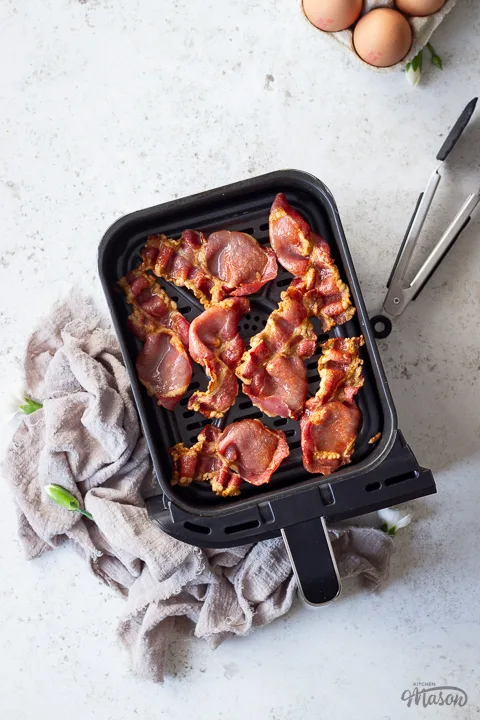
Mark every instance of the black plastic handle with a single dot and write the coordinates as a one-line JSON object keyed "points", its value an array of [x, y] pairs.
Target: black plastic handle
{"points": [[313, 561], [457, 130]]}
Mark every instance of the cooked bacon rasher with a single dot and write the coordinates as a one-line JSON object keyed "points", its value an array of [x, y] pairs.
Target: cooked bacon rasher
{"points": [[307, 256], [331, 419], [244, 450], [215, 343], [163, 365], [272, 370], [226, 264]]}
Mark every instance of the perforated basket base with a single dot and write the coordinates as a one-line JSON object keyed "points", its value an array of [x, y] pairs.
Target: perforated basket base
{"points": [[245, 207]]}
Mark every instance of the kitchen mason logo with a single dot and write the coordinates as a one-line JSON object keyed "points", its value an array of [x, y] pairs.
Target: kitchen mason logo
{"points": [[424, 694]]}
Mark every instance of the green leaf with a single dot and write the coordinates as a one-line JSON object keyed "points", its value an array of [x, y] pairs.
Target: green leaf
{"points": [[392, 531], [436, 59], [30, 406], [416, 63], [384, 528], [63, 497]]}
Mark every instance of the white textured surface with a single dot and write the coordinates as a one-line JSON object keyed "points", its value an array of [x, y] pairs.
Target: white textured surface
{"points": [[112, 105]]}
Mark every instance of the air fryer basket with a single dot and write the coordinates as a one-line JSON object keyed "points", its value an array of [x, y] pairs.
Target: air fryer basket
{"points": [[294, 501]]}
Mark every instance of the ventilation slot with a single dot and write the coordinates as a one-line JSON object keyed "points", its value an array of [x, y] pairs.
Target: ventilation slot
{"points": [[312, 365], [401, 478], [373, 486], [199, 529], [250, 525], [294, 445], [184, 310], [188, 414], [244, 405], [285, 281], [289, 433], [248, 231], [264, 227], [281, 421], [256, 321]]}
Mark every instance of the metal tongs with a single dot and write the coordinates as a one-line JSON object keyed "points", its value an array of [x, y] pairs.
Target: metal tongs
{"points": [[400, 291]]}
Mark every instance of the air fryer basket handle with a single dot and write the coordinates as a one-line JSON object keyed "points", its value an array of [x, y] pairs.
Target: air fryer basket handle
{"points": [[313, 561]]}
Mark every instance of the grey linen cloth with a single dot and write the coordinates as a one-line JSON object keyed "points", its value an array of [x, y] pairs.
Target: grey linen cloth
{"points": [[87, 439]]}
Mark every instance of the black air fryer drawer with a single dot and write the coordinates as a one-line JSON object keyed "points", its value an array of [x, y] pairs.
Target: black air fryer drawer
{"points": [[195, 514]]}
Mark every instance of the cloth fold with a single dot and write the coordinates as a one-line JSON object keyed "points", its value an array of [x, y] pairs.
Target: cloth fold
{"points": [[87, 438]]}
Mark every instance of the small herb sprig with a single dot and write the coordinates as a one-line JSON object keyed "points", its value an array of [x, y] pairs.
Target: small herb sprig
{"points": [[436, 59], [413, 70], [393, 520], [29, 406], [63, 497]]}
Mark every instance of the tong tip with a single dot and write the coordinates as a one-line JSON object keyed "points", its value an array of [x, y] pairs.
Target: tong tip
{"points": [[457, 130]]}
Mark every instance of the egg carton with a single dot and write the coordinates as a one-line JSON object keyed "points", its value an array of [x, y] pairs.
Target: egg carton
{"points": [[423, 28]]}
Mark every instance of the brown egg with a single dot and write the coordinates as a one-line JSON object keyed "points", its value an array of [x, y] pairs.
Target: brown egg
{"points": [[420, 8], [382, 37], [332, 15]]}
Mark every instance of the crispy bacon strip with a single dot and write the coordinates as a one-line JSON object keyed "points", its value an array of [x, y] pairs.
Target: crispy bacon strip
{"points": [[203, 463], [307, 256], [239, 261], [331, 419], [227, 263], [215, 343], [244, 450], [163, 365], [272, 370], [178, 262]]}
